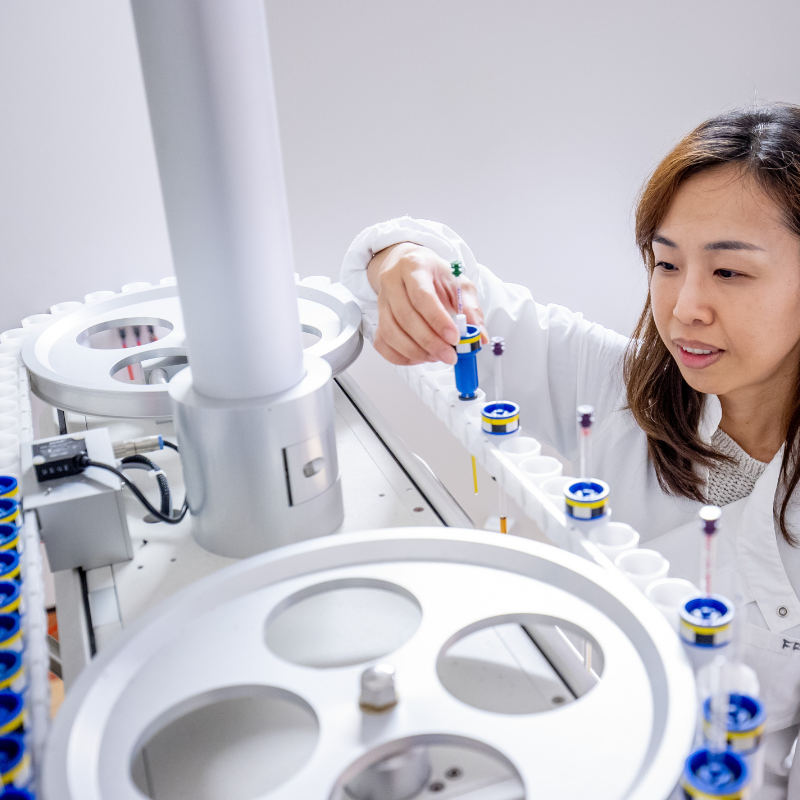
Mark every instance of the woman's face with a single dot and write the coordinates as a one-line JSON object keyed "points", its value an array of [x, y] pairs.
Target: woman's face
{"points": [[726, 286]]}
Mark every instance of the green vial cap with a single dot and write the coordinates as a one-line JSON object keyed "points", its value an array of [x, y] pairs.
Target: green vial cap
{"points": [[457, 267]]}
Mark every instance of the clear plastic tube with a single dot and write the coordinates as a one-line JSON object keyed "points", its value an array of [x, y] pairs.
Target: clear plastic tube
{"points": [[720, 701], [709, 519], [585, 421], [498, 348], [457, 268]]}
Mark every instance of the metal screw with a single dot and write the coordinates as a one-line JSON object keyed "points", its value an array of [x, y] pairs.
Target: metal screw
{"points": [[453, 773], [378, 689], [419, 508], [557, 700], [436, 786]]}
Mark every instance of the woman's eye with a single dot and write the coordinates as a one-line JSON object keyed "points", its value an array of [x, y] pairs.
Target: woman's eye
{"points": [[666, 266], [726, 273]]}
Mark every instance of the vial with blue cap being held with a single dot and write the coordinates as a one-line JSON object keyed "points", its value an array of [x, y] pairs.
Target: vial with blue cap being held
{"points": [[468, 347]]}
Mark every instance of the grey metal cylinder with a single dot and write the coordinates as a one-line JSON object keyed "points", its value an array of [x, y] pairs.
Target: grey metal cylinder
{"points": [[208, 77], [397, 777], [260, 473]]}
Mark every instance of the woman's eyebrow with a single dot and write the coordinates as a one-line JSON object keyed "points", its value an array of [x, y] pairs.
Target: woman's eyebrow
{"points": [[659, 239], [732, 245], [727, 244]]}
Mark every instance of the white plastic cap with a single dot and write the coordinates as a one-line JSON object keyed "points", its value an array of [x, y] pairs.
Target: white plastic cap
{"points": [[139, 286], [96, 297], [37, 320], [65, 308]]}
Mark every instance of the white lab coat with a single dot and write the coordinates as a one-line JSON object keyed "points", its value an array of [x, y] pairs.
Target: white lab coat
{"points": [[556, 360]]}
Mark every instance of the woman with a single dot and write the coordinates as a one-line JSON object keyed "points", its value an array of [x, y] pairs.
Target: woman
{"points": [[702, 404]]}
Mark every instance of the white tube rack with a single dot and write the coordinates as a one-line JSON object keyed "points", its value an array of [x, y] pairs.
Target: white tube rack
{"points": [[464, 423]]}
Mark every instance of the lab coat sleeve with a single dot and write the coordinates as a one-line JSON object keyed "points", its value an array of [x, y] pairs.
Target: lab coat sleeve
{"points": [[554, 360], [439, 238]]}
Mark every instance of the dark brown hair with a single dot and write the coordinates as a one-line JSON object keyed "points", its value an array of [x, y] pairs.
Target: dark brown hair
{"points": [[764, 142]]}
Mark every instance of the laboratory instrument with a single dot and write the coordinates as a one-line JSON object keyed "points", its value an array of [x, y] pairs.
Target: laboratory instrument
{"points": [[478, 647], [417, 603]]}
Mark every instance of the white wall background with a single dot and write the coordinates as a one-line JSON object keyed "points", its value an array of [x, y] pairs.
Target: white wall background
{"points": [[527, 126]]}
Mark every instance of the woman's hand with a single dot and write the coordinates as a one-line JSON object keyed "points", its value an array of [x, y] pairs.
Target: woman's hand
{"points": [[416, 296]]}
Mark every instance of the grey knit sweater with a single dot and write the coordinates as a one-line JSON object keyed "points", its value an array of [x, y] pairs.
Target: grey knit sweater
{"points": [[733, 481]]}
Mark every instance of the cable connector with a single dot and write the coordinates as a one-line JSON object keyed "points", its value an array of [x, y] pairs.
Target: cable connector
{"points": [[134, 447]]}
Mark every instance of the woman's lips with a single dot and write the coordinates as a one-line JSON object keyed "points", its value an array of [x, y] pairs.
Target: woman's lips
{"points": [[695, 360]]}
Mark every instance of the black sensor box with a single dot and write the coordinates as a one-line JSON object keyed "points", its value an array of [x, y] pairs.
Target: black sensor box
{"points": [[59, 458]]}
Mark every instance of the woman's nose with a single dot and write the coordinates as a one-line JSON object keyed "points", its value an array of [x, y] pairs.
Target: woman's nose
{"points": [[693, 303]]}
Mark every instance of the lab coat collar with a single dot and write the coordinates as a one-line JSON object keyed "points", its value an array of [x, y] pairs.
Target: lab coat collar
{"points": [[759, 556], [710, 418]]}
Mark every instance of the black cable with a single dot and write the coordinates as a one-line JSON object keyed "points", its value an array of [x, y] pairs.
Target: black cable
{"points": [[87, 462], [170, 445], [87, 610], [62, 423], [163, 485]]}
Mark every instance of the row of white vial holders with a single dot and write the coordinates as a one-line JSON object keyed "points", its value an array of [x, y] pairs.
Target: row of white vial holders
{"points": [[536, 483]]}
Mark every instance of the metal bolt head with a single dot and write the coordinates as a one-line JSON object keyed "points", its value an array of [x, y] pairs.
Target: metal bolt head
{"points": [[378, 689]]}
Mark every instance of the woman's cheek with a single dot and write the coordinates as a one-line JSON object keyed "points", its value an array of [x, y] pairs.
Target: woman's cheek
{"points": [[662, 310]]}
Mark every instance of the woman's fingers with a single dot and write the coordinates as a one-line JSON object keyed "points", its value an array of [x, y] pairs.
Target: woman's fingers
{"points": [[416, 296], [389, 353], [409, 297], [394, 334], [412, 314], [472, 309], [422, 293]]}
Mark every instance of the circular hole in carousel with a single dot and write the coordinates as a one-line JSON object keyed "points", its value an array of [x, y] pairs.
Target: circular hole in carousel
{"points": [[520, 664], [116, 334], [343, 622], [235, 743], [311, 335]]}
